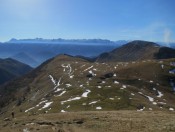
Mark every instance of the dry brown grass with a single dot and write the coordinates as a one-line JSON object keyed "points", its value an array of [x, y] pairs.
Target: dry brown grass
{"points": [[107, 121]]}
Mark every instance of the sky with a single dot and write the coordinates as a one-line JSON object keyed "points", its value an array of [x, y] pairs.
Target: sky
{"points": [[152, 20]]}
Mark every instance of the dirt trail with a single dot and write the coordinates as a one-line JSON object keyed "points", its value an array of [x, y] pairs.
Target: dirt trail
{"points": [[109, 121]]}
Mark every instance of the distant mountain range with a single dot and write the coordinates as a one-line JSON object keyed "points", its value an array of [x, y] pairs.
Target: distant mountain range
{"points": [[11, 69], [68, 41], [80, 41], [35, 51]]}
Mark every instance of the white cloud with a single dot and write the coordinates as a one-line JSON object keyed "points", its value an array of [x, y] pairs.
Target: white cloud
{"points": [[167, 36]]}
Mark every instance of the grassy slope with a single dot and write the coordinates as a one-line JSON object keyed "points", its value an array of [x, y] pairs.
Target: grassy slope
{"points": [[135, 75]]}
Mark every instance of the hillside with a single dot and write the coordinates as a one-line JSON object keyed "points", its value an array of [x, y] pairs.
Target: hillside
{"points": [[10, 69], [66, 83], [137, 50]]}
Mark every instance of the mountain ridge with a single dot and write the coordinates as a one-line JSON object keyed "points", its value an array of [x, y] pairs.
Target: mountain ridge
{"points": [[88, 41], [137, 50], [73, 41]]}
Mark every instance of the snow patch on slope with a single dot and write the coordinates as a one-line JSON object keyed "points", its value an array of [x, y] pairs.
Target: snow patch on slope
{"points": [[98, 108], [88, 68], [86, 93], [71, 99], [46, 105], [52, 79], [149, 98]]}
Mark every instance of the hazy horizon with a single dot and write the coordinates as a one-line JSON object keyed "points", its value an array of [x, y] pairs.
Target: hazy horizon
{"points": [[90, 19]]}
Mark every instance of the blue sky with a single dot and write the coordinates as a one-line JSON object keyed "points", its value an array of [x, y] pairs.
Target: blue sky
{"points": [[152, 20]]}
